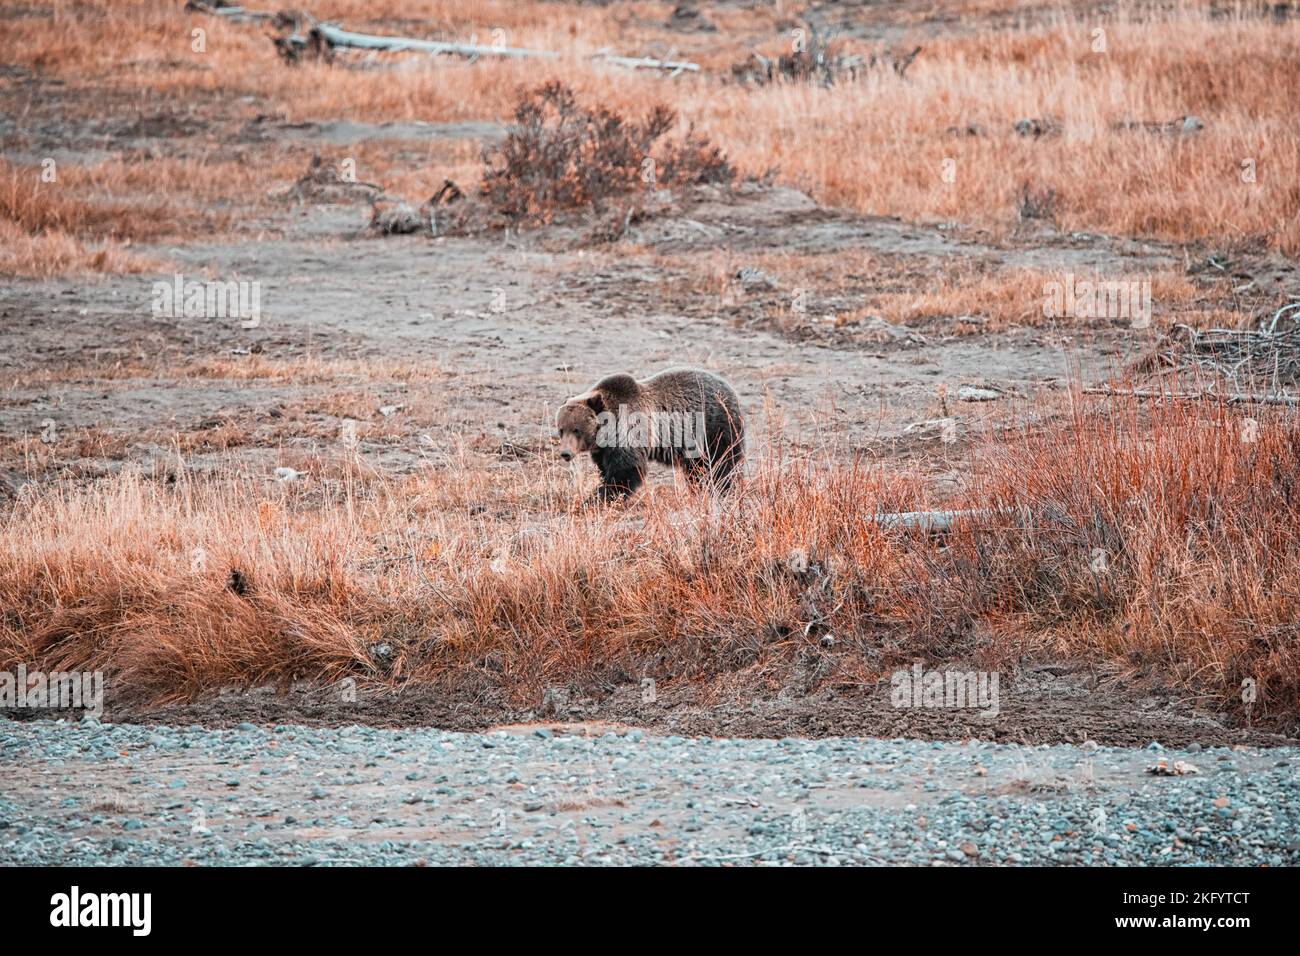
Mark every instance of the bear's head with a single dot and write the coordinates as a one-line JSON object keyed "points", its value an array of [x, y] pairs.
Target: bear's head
{"points": [[576, 424]]}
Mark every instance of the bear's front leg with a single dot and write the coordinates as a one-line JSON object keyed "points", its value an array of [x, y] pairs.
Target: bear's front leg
{"points": [[622, 471]]}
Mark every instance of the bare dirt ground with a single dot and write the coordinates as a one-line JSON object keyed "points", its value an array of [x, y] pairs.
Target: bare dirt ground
{"points": [[1042, 705], [558, 324], [507, 325]]}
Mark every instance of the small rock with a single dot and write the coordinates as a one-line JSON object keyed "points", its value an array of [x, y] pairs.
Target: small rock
{"points": [[751, 278], [1179, 768], [1037, 127]]}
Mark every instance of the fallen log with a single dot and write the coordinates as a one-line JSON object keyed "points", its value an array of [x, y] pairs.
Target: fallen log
{"points": [[648, 63], [217, 8], [1233, 398], [323, 36], [932, 521], [229, 11], [364, 41]]}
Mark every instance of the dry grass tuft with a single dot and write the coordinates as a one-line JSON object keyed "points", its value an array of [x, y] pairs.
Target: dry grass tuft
{"points": [[47, 254], [43, 232]]}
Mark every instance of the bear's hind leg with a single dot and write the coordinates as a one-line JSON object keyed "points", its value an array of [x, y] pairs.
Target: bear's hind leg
{"points": [[621, 473], [715, 474]]}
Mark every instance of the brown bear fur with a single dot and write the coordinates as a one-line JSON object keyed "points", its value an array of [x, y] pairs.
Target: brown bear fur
{"points": [[661, 418]]}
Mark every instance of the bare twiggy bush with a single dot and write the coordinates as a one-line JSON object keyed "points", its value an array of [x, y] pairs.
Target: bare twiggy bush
{"points": [[562, 155]]}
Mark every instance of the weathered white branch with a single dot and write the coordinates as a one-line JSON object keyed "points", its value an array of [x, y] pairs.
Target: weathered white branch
{"points": [[231, 12], [365, 41], [1235, 398], [648, 63], [336, 37]]}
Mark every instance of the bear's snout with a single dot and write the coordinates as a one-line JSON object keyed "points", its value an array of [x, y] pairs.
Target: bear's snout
{"points": [[566, 454]]}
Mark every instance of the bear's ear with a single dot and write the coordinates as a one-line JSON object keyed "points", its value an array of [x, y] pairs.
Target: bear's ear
{"points": [[596, 402]]}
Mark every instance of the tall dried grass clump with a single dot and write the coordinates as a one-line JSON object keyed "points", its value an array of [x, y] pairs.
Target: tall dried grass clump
{"points": [[41, 234], [1167, 537]]}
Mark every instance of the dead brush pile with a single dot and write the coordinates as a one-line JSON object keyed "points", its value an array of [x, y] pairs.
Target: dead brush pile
{"points": [[1265, 358], [1163, 541], [561, 155], [821, 59]]}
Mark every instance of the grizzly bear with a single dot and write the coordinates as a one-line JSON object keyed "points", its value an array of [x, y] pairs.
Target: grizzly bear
{"points": [[684, 417]]}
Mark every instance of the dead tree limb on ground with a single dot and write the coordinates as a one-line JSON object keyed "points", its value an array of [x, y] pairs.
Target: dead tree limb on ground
{"points": [[940, 522], [1233, 398], [364, 41], [321, 39], [927, 520], [284, 19], [346, 39]]}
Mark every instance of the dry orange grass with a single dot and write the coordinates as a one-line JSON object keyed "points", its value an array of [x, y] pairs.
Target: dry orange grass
{"points": [[1167, 539], [306, 370], [136, 200], [1016, 297], [55, 253], [45, 230], [879, 145], [1188, 513]]}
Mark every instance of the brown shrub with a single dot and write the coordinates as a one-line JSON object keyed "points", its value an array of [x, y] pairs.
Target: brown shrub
{"points": [[562, 155]]}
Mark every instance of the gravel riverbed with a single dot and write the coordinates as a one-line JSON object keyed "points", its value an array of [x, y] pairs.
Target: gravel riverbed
{"points": [[99, 794]]}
